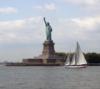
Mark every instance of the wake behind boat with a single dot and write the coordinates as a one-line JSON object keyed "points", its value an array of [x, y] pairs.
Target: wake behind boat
{"points": [[77, 60]]}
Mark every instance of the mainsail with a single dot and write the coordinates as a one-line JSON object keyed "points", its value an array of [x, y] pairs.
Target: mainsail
{"points": [[68, 60], [80, 59]]}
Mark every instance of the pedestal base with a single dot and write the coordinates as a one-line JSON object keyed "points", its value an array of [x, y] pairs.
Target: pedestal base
{"points": [[48, 48]]}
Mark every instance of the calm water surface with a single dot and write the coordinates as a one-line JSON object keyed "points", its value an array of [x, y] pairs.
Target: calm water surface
{"points": [[49, 78]]}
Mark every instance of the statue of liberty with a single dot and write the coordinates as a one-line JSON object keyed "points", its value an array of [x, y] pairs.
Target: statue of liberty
{"points": [[48, 30]]}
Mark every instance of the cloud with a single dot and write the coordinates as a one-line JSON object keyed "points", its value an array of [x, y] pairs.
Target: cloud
{"points": [[46, 7], [20, 31], [83, 2], [85, 30], [18, 24], [66, 31], [86, 4], [87, 22], [8, 10], [31, 29], [81, 25], [50, 6]]}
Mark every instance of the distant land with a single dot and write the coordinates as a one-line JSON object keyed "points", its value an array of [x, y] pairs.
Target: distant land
{"points": [[92, 58]]}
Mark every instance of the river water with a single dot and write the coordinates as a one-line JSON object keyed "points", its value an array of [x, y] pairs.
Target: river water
{"points": [[49, 78]]}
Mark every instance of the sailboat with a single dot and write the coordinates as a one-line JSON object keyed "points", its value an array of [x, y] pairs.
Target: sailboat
{"points": [[77, 60]]}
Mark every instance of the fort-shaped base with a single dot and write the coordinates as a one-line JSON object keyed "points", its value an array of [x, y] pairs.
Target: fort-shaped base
{"points": [[48, 56]]}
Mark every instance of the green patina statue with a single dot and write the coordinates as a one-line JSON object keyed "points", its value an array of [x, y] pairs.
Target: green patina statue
{"points": [[48, 30]]}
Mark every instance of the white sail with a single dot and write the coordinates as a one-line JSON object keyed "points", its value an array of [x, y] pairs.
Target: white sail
{"points": [[80, 59], [68, 60], [73, 60]]}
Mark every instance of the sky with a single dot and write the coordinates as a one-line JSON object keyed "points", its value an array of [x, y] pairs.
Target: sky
{"points": [[22, 30]]}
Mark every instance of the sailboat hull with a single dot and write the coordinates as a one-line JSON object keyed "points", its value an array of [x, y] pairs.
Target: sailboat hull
{"points": [[76, 66]]}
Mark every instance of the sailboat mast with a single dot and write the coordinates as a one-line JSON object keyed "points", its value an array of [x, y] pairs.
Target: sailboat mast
{"points": [[76, 53]]}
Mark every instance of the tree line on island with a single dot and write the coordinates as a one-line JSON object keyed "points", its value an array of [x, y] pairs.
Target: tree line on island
{"points": [[91, 58]]}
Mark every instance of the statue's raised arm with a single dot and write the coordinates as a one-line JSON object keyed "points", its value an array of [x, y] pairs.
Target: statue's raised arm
{"points": [[45, 21]]}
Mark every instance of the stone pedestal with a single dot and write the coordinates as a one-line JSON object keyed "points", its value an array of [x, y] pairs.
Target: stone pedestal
{"points": [[48, 48]]}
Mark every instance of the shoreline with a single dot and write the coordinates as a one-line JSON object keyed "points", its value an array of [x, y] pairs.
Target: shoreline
{"points": [[32, 64]]}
